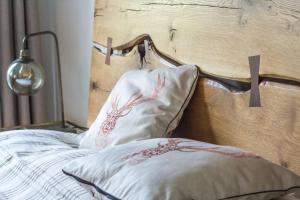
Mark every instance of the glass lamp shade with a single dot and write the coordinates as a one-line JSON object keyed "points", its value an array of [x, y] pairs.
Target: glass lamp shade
{"points": [[25, 77]]}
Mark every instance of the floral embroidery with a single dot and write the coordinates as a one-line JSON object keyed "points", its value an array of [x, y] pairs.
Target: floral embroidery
{"points": [[117, 112], [173, 145]]}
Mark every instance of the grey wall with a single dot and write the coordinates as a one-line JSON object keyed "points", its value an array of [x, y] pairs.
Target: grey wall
{"points": [[72, 21]]}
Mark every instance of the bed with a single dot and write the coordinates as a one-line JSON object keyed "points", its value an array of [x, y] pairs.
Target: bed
{"points": [[196, 32], [31, 161]]}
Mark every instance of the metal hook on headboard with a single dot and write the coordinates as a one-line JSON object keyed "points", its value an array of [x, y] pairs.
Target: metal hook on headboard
{"points": [[142, 52], [124, 49], [232, 84], [140, 41]]}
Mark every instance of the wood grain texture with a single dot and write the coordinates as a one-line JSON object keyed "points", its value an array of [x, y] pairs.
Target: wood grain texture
{"points": [[217, 35], [218, 116]]}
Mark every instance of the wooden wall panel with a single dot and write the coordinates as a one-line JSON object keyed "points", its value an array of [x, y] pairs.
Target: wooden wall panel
{"points": [[217, 35]]}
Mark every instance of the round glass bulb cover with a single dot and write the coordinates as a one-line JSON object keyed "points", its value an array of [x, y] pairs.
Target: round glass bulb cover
{"points": [[25, 77]]}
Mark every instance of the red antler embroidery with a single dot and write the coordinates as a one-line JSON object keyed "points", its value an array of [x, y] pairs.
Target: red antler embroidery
{"points": [[116, 112], [173, 145]]}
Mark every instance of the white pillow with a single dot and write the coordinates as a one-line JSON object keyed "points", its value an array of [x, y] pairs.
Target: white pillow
{"points": [[144, 104], [177, 169]]}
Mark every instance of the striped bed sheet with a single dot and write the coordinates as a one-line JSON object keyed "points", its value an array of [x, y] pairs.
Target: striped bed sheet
{"points": [[31, 163]]}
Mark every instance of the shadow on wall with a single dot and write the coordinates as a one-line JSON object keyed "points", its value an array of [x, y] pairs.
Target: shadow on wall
{"points": [[198, 110]]}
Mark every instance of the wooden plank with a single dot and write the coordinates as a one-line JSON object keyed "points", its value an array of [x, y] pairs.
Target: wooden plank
{"points": [[218, 116], [216, 35]]}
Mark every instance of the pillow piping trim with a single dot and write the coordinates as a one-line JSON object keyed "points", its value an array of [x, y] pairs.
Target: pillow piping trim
{"points": [[261, 192], [185, 102], [106, 194]]}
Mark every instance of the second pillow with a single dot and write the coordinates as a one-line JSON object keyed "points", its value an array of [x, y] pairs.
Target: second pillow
{"points": [[144, 104]]}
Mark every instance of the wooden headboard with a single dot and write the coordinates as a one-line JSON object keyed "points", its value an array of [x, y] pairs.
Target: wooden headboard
{"points": [[218, 36]]}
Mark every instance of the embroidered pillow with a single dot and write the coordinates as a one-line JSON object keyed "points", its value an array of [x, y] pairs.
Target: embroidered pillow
{"points": [[144, 104], [176, 169]]}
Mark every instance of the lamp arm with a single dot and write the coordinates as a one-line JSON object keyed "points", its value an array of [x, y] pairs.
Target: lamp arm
{"points": [[25, 46]]}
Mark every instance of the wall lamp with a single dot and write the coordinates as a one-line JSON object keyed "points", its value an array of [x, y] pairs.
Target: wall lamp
{"points": [[26, 77]]}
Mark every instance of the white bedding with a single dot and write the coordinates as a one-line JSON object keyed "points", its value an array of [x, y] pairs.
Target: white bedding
{"points": [[31, 164]]}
